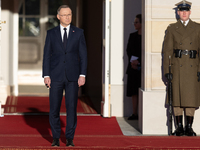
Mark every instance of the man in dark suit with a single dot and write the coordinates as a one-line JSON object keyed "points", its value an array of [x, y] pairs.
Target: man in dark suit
{"points": [[64, 68]]}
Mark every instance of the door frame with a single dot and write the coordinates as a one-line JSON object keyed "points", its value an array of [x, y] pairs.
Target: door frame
{"points": [[105, 103]]}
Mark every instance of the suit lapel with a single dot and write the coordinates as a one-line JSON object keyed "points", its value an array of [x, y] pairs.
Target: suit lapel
{"points": [[58, 35], [70, 36], [180, 28], [189, 29]]}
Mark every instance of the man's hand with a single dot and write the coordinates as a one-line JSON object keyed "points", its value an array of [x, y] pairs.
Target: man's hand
{"points": [[134, 64], [169, 76], [47, 82], [81, 81]]}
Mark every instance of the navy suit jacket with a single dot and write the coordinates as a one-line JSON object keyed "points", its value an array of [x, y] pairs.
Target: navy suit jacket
{"points": [[58, 62]]}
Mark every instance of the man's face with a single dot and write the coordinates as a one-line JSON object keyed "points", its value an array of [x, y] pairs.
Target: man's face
{"points": [[65, 16], [184, 15]]}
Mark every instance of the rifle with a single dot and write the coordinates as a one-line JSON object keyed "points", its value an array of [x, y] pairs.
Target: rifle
{"points": [[170, 99]]}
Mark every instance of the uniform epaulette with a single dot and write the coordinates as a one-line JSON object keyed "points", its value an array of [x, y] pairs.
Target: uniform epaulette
{"points": [[197, 23], [170, 25]]}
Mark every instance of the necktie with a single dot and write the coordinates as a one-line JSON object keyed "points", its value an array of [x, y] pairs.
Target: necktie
{"points": [[184, 23], [65, 38]]}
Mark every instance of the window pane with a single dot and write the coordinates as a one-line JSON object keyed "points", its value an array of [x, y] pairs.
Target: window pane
{"points": [[21, 10], [52, 22], [20, 27], [53, 6], [32, 27], [32, 7]]}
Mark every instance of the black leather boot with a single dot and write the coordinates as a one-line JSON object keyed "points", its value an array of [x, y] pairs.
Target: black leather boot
{"points": [[188, 128], [179, 129]]}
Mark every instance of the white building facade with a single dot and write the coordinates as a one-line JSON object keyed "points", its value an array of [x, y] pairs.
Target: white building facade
{"points": [[117, 25]]}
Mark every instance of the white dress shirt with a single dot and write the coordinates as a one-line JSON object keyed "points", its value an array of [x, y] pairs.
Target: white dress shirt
{"points": [[186, 22], [62, 30]]}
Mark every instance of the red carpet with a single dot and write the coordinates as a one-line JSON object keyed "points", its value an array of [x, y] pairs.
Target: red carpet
{"points": [[31, 132], [25, 104]]}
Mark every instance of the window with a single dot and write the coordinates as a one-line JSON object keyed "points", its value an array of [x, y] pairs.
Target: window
{"points": [[29, 18], [52, 12]]}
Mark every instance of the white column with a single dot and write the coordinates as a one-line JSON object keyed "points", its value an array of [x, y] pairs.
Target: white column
{"points": [[4, 60], [116, 57], [9, 55], [15, 53], [2, 87]]}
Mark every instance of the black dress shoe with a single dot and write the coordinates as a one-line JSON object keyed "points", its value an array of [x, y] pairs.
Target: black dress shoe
{"points": [[133, 117], [189, 131], [188, 128], [69, 143], [179, 131], [56, 142]]}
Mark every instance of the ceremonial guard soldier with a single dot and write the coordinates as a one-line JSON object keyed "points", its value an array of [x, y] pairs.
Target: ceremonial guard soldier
{"points": [[182, 44]]}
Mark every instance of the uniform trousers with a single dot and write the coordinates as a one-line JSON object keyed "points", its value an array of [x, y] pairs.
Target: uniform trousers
{"points": [[189, 111]]}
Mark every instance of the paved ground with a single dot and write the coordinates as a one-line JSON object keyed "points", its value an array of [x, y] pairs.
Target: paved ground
{"points": [[128, 127]]}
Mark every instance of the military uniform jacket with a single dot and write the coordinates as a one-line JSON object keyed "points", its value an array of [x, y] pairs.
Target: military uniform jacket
{"points": [[186, 88]]}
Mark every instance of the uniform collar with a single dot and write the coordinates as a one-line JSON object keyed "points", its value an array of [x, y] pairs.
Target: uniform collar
{"points": [[186, 22]]}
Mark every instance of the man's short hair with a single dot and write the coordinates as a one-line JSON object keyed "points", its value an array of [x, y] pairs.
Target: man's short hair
{"points": [[63, 6]]}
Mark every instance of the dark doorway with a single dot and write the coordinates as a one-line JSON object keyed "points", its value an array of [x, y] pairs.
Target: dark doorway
{"points": [[92, 25]]}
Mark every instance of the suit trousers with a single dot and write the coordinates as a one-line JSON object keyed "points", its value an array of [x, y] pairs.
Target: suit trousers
{"points": [[55, 100], [178, 111]]}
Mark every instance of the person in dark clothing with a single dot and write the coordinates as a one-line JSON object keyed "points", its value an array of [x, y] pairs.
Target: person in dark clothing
{"points": [[64, 68], [134, 65]]}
